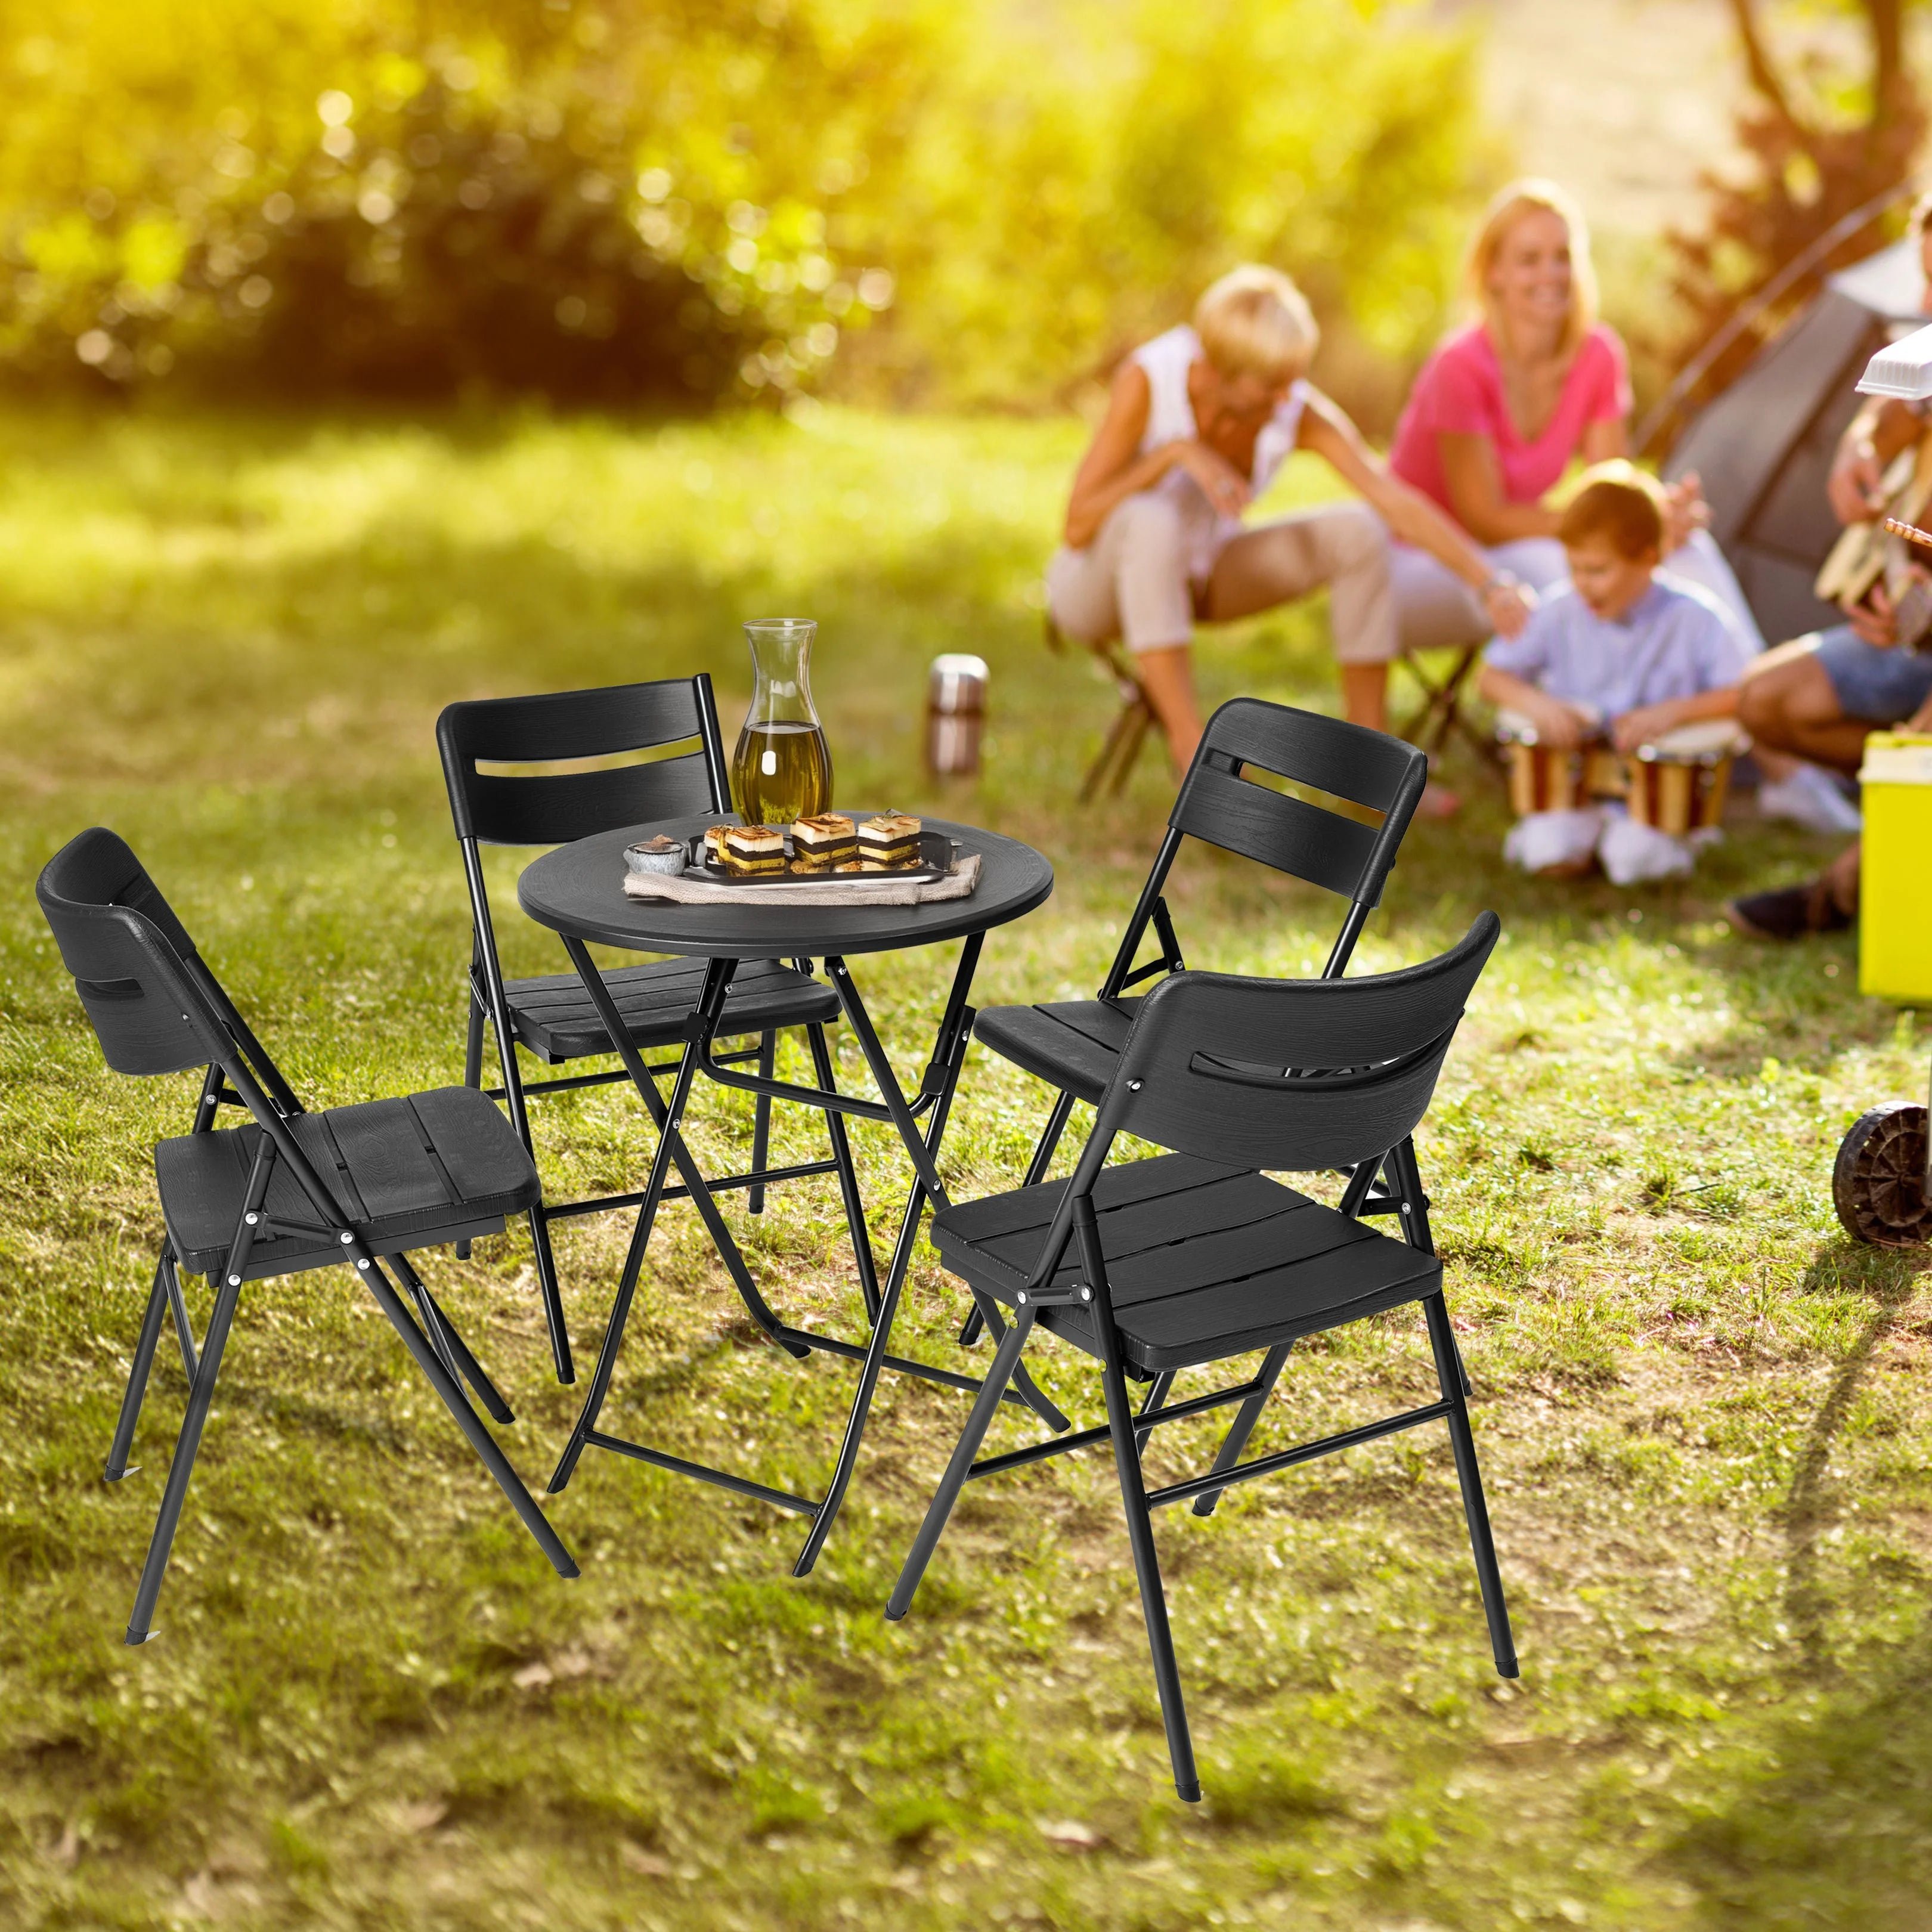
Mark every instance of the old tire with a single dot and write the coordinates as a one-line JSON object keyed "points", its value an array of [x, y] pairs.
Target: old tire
{"points": [[1878, 1183]]}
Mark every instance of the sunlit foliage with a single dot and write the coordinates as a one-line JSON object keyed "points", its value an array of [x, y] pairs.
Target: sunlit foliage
{"points": [[622, 201]]}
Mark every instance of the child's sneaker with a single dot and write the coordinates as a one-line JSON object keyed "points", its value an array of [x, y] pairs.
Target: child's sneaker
{"points": [[1811, 797]]}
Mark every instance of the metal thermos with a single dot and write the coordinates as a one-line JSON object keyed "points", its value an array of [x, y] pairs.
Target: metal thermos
{"points": [[955, 713]]}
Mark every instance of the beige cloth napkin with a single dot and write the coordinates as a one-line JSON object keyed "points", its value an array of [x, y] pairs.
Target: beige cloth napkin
{"points": [[876, 889]]}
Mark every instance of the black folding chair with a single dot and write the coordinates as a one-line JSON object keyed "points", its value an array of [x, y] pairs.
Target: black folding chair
{"points": [[355, 1186], [1195, 1256], [553, 1018], [1075, 1044]]}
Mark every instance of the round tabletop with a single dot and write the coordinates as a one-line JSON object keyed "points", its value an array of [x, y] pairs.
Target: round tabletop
{"points": [[578, 890]]}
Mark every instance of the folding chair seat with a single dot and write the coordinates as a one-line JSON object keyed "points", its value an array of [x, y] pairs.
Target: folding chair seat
{"points": [[1195, 1256], [1204, 1262], [361, 1186], [1075, 1045], [539, 771], [420, 1172], [555, 1021]]}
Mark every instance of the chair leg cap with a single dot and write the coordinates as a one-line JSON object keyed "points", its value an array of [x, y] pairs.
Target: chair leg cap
{"points": [[146, 1637], [121, 1475], [1188, 1794], [1509, 1669]]}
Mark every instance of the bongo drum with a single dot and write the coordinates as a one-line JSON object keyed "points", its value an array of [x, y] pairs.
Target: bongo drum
{"points": [[1554, 778], [1677, 785]]}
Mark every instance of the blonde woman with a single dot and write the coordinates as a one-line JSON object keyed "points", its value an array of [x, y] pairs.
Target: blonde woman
{"points": [[1496, 417], [1504, 406], [1200, 420]]}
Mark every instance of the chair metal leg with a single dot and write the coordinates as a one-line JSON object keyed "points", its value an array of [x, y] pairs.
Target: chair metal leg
{"points": [[1442, 1341], [201, 1395], [137, 1374], [1042, 1159], [449, 1344], [450, 1391], [848, 1177], [140, 1625], [1147, 1570], [1405, 1173], [1157, 1394], [979, 1419], [473, 1063], [1246, 1417], [761, 1124], [550, 1295]]}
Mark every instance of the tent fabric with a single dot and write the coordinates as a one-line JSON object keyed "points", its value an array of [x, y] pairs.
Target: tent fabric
{"points": [[1763, 447]]}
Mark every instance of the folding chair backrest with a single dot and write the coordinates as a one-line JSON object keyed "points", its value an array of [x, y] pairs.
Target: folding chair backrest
{"points": [[1295, 1074], [1307, 840], [130, 957], [553, 807]]}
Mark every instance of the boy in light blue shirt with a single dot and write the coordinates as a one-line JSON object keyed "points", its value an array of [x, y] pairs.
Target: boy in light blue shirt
{"points": [[1621, 650]]}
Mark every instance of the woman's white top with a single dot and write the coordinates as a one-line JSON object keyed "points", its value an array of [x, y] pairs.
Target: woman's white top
{"points": [[1167, 359]]}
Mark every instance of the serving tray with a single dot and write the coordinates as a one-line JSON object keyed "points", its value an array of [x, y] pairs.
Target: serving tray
{"points": [[938, 856]]}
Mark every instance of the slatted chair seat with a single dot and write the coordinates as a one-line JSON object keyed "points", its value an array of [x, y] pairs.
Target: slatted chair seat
{"points": [[440, 1166], [1204, 1262], [1075, 1044], [555, 1021]]}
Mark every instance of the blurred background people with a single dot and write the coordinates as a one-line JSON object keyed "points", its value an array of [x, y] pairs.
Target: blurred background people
{"points": [[1200, 420], [1500, 412]]}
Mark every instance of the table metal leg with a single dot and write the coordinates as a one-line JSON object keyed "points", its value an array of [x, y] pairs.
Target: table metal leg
{"points": [[710, 1006], [698, 1040]]}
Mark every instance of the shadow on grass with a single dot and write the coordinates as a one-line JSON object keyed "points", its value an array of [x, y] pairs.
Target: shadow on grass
{"points": [[1838, 1830]]}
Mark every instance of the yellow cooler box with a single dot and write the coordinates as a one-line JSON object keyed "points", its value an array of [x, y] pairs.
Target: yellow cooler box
{"points": [[1895, 868]]}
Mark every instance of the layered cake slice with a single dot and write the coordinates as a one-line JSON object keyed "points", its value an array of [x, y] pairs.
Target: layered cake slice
{"points": [[827, 840], [889, 842], [751, 851]]}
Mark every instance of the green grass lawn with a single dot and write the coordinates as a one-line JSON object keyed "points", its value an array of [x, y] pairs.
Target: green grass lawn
{"points": [[1704, 1415]]}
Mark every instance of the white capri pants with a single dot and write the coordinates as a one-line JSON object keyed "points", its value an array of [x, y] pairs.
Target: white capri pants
{"points": [[1132, 582]]}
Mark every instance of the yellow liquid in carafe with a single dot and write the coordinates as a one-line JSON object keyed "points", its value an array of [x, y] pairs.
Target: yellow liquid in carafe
{"points": [[780, 772]]}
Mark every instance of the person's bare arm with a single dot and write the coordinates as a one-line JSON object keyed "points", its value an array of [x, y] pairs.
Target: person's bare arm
{"points": [[1603, 440], [1327, 429], [1649, 722], [1112, 470], [1474, 476], [1871, 440], [1557, 723]]}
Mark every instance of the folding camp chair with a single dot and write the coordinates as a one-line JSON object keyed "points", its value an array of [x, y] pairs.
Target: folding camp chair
{"points": [[1195, 1256], [1440, 714], [1076, 1045], [1108, 774], [352, 1185], [553, 1018]]}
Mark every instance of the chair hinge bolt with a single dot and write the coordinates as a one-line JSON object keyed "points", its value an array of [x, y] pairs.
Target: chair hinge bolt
{"points": [[1022, 1297], [363, 1266], [1133, 1086], [253, 1220], [234, 1281], [1405, 1207], [346, 1239]]}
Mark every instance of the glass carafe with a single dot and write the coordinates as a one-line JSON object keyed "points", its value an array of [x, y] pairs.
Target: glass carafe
{"points": [[782, 768]]}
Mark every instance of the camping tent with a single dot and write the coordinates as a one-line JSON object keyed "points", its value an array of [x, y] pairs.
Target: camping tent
{"points": [[1763, 447]]}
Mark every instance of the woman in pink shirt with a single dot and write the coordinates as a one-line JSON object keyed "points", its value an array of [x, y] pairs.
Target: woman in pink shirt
{"points": [[1503, 408]]}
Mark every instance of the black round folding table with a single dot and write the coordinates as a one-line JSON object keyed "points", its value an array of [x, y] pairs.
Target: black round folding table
{"points": [[577, 891]]}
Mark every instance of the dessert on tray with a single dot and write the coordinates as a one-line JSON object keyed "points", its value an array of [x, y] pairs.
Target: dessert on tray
{"points": [[751, 851], [827, 840], [889, 842]]}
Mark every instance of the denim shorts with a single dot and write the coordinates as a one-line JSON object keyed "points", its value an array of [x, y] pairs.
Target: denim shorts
{"points": [[1876, 686]]}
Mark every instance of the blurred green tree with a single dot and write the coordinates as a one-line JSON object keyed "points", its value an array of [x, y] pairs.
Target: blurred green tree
{"points": [[613, 201]]}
